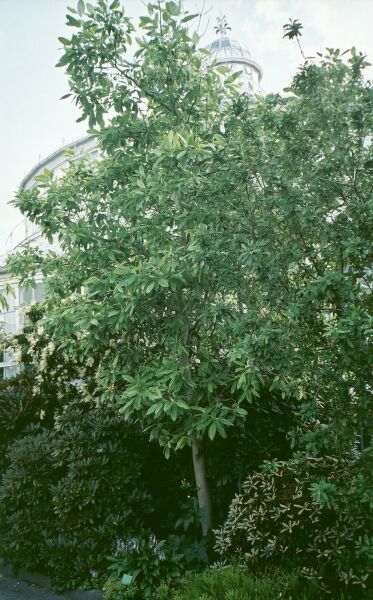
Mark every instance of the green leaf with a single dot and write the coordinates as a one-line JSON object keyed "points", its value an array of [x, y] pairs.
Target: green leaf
{"points": [[182, 404], [232, 78], [195, 38], [64, 60], [81, 7], [189, 18], [173, 8], [72, 21], [180, 443], [64, 41], [212, 431], [221, 430]]}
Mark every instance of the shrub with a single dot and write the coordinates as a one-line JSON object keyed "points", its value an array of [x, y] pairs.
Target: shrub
{"points": [[26, 516], [314, 513], [114, 589], [101, 494], [147, 561], [20, 408], [69, 494], [236, 583]]}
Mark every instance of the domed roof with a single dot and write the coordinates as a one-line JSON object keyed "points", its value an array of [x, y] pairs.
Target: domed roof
{"points": [[224, 46], [225, 50]]}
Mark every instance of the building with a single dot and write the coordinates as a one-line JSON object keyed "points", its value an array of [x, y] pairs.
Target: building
{"points": [[225, 51], [11, 318]]}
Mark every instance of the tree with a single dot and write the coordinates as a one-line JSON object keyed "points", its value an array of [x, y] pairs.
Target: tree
{"points": [[219, 247], [308, 162], [151, 269]]}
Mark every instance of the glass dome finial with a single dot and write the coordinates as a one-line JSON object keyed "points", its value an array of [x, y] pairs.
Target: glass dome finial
{"points": [[222, 27]]}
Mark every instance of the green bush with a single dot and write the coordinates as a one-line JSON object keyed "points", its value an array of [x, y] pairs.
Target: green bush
{"points": [[20, 409], [314, 513], [70, 494], [101, 495], [26, 516], [148, 561], [114, 589], [235, 583]]}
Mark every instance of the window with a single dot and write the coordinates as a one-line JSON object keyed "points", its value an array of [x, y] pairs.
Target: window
{"points": [[10, 372], [25, 295], [9, 322], [39, 292]]}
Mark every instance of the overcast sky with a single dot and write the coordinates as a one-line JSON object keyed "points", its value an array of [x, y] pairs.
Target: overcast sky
{"points": [[34, 121]]}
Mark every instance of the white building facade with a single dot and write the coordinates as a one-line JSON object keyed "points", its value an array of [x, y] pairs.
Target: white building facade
{"points": [[26, 233]]}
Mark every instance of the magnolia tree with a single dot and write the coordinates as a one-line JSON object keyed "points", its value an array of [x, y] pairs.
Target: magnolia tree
{"points": [[218, 247]]}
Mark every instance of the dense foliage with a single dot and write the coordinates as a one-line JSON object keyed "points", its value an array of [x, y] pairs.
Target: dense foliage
{"points": [[314, 513], [26, 511], [18, 409], [101, 495], [70, 495], [162, 317], [93, 484], [235, 583], [145, 561], [87, 507]]}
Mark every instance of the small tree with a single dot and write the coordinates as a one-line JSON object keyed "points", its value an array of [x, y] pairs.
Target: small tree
{"points": [[150, 279], [218, 247]]}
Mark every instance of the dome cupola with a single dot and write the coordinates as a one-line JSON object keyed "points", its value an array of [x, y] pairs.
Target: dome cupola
{"points": [[226, 51]]}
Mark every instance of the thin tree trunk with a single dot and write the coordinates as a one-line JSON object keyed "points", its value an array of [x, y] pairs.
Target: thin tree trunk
{"points": [[203, 492], [199, 463]]}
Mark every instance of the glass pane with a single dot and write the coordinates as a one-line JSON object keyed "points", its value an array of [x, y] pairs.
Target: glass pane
{"points": [[8, 355], [39, 292], [25, 295], [9, 322], [9, 372]]}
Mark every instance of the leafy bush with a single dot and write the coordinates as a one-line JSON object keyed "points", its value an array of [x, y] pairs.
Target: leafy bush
{"points": [[114, 589], [26, 516], [101, 493], [235, 583], [69, 494], [230, 460], [20, 408], [147, 561], [314, 513]]}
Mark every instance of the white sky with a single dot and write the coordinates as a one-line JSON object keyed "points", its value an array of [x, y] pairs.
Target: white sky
{"points": [[34, 122]]}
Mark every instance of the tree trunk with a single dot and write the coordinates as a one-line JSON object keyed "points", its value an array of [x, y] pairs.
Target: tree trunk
{"points": [[203, 492], [199, 463]]}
